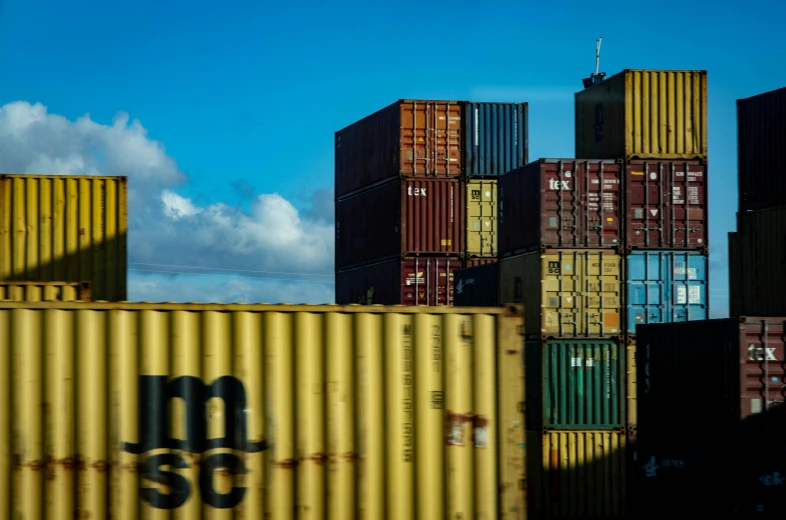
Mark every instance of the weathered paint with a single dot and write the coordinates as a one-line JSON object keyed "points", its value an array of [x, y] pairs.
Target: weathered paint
{"points": [[644, 114], [495, 138], [665, 287], [46, 291], [263, 411], [482, 209], [575, 384], [65, 228], [576, 475]]}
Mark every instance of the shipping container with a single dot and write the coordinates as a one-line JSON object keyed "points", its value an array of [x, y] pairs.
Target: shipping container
{"points": [[132, 410], [567, 293], [410, 138], [62, 228], [575, 384], [398, 218], [644, 114], [408, 281], [761, 288], [496, 138], [481, 216], [477, 286], [667, 205], [560, 203], [761, 153], [631, 401], [46, 291], [576, 475], [666, 286], [471, 261]]}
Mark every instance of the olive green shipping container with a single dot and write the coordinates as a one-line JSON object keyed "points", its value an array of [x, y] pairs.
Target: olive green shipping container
{"points": [[134, 410], [63, 228], [46, 291]]}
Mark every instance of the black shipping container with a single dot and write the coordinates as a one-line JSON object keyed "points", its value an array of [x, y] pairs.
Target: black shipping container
{"points": [[477, 286]]}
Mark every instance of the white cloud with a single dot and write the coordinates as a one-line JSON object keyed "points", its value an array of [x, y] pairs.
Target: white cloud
{"points": [[164, 226]]}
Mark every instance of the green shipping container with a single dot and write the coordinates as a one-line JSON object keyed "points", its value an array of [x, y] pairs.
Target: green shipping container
{"points": [[575, 384]]}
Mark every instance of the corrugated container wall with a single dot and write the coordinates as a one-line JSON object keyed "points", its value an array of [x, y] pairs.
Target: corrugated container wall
{"points": [[761, 152], [667, 205], [575, 384], [665, 287], [477, 286], [265, 411], [737, 277], [409, 138], [58, 228], [560, 203], [568, 293], [400, 217], [482, 211], [46, 291], [496, 138], [644, 114], [411, 281]]}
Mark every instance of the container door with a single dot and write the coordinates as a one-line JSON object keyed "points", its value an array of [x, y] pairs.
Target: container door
{"points": [[430, 133], [688, 273], [482, 218], [646, 289]]}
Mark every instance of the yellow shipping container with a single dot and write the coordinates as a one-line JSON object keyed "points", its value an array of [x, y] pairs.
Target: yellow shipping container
{"points": [[260, 411], [65, 228], [644, 114], [482, 206], [578, 474], [46, 291], [567, 293]]}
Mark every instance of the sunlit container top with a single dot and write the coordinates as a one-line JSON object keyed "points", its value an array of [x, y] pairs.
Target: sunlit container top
{"points": [[496, 138]]}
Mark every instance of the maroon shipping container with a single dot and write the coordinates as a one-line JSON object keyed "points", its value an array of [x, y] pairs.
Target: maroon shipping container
{"points": [[409, 138], [472, 261], [399, 218], [666, 204], [761, 150], [559, 203], [412, 281]]}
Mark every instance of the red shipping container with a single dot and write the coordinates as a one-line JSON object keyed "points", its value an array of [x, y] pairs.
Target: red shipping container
{"points": [[412, 281], [560, 203], [409, 138], [398, 218], [666, 204]]}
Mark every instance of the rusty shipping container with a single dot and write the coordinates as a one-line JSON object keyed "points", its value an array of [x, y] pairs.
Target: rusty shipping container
{"points": [[560, 203], [667, 205], [644, 114], [481, 216], [265, 411], [409, 138], [411, 281], [46, 291], [62, 228], [567, 293], [576, 474], [399, 218], [496, 138], [477, 286], [761, 152]]}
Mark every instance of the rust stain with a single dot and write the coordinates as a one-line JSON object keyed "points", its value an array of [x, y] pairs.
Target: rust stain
{"points": [[286, 463], [82, 232], [319, 458], [454, 427], [101, 465]]}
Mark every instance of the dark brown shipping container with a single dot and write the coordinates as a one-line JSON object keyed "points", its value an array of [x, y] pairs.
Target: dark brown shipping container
{"points": [[666, 204], [409, 138], [560, 203], [472, 261], [412, 281], [399, 218], [761, 150], [736, 278]]}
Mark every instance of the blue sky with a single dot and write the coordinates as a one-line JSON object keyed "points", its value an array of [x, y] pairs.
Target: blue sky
{"points": [[245, 96]]}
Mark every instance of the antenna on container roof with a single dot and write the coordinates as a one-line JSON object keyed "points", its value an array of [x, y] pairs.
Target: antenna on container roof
{"points": [[597, 77]]}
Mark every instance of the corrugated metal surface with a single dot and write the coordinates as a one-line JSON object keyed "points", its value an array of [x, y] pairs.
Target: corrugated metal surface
{"points": [[495, 138], [736, 279], [560, 203], [477, 286], [644, 114], [411, 138], [631, 401], [761, 155], [412, 281], [665, 287], [582, 475], [65, 228], [575, 384], [667, 205], [569, 293], [407, 216], [471, 261], [482, 209], [264, 411], [46, 291]]}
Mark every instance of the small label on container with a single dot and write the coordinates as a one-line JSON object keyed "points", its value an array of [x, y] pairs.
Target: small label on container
{"points": [[694, 294]]}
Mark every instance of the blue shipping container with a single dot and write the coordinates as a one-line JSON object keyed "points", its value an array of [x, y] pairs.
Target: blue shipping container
{"points": [[665, 287], [496, 138]]}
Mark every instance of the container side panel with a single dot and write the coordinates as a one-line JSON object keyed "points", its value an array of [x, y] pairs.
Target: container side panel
{"points": [[495, 138], [431, 139], [378, 283], [481, 218], [432, 217], [428, 281], [477, 286], [736, 279], [762, 245], [762, 365], [472, 261], [7, 412]]}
